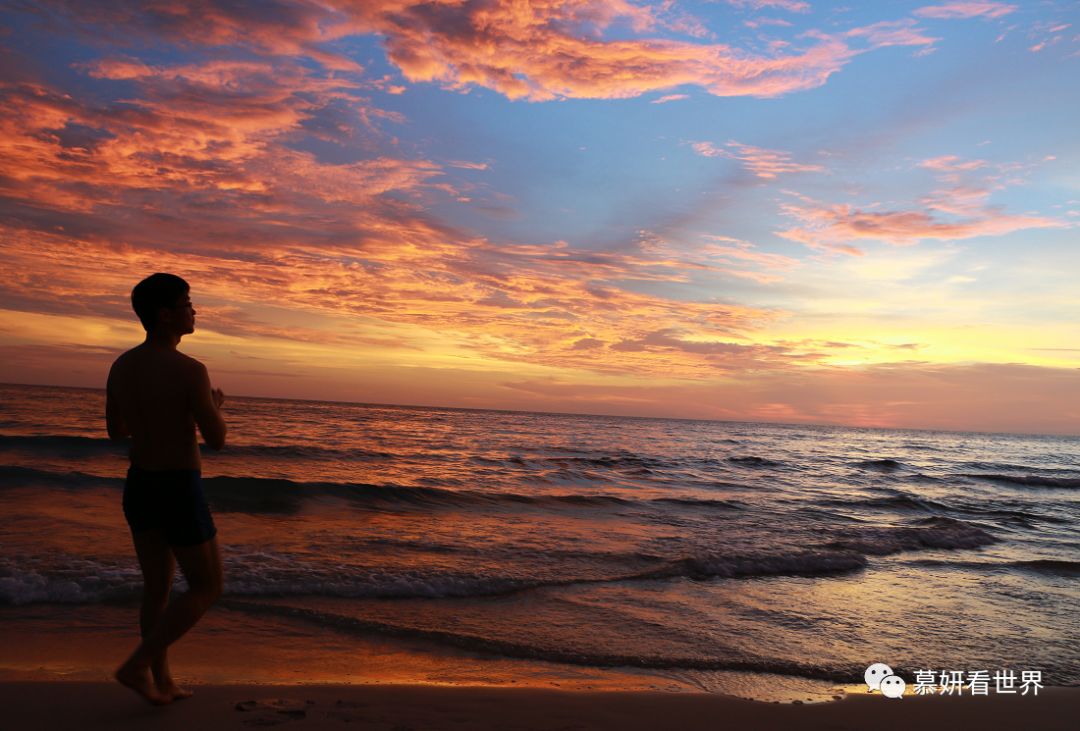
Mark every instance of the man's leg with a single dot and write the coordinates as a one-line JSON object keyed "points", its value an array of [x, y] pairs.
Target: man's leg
{"points": [[158, 566], [201, 565]]}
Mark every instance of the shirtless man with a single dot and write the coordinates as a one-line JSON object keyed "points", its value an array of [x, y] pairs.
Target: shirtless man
{"points": [[156, 395]]}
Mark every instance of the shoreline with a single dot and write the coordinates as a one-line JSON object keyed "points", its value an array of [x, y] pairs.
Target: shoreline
{"points": [[92, 706], [86, 643], [51, 644]]}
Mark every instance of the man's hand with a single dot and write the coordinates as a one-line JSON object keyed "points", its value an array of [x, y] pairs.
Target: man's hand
{"points": [[206, 407]]}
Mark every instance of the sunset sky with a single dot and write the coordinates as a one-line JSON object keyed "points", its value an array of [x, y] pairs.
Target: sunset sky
{"points": [[765, 210]]}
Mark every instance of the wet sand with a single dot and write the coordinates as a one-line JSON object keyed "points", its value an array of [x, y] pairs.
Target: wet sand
{"points": [[91, 706]]}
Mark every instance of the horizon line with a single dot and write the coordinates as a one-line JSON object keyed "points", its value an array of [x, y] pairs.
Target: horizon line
{"points": [[605, 416]]}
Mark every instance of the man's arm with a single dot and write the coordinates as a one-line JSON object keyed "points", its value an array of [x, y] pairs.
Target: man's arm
{"points": [[206, 409], [114, 422]]}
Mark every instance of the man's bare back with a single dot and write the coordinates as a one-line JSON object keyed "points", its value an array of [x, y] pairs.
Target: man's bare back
{"points": [[155, 394]]}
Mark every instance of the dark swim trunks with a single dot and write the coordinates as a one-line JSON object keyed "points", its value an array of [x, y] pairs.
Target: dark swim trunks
{"points": [[171, 501]]}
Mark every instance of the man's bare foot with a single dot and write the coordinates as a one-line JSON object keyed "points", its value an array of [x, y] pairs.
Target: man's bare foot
{"points": [[173, 691], [139, 680]]}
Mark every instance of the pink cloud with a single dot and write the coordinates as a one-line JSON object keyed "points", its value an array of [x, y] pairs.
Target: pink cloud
{"points": [[759, 22], [965, 203], [959, 200], [836, 227], [726, 247], [670, 98], [466, 165], [893, 33], [722, 255], [959, 10], [708, 149], [763, 163], [951, 163], [1048, 34], [794, 6]]}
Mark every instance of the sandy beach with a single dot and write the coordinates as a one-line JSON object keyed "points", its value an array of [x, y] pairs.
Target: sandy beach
{"points": [[54, 672], [90, 706]]}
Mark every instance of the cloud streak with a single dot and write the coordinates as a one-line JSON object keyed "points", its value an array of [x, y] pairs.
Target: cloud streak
{"points": [[959, 211], [764, 163], [794, 6], [837, 227], [964, 10]]}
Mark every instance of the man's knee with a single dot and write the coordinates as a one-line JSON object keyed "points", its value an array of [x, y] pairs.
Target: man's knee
{"points": [[155, 598], [208, 588], [202, 569], [216, 587]]}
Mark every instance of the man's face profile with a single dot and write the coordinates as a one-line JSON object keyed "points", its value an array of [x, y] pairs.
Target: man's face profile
{"points": [[179, 317]]}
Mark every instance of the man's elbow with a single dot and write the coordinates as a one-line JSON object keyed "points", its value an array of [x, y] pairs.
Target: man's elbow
{"points": [[117, 432], [215, 440]]}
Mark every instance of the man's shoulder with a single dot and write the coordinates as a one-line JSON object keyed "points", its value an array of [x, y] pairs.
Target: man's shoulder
{"points": [[139, 358], [194, 364], [125, 359], [193, 369]]}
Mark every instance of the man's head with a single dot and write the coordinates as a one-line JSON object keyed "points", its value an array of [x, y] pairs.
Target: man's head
{"points": [[161, 300]]}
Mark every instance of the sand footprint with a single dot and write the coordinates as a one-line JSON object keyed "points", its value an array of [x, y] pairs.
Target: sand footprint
{"points": [[274, 711]]}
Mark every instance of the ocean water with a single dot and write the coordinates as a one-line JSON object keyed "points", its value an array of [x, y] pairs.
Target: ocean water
{"points": [[690, 550]]}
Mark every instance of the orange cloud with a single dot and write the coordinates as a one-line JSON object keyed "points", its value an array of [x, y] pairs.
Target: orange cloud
{"points": [[546, 49], [761, 162], [520, 52], [195, 175], [541, 50], [960, 10], [282, 29], [558, 306], [211, 139]]}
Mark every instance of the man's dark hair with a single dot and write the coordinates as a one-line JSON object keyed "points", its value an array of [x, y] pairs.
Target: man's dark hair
{"points": [[156, 291]]}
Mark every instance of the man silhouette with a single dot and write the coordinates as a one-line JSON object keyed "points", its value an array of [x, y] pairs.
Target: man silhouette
{"points": [[156, 395]]}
